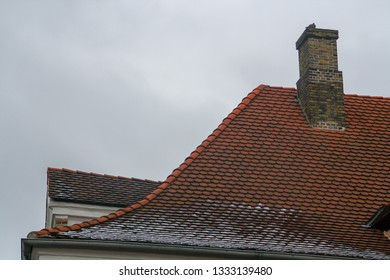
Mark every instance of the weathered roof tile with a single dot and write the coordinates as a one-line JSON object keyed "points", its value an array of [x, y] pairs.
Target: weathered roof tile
{"points": [[265, 180], [99, 189]]}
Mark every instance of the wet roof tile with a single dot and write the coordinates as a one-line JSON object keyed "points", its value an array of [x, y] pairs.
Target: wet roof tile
{"points": [[98, 189], [265, 180]]}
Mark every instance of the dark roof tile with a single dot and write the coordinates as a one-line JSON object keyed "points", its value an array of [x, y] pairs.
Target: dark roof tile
{"points": [[99, 189], [265, 180]]}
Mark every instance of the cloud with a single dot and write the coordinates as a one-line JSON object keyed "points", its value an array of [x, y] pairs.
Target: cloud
{"points": [[132, 87]]}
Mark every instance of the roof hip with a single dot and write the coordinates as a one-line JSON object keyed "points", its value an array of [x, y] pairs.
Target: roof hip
{"points": [[172, 177]]}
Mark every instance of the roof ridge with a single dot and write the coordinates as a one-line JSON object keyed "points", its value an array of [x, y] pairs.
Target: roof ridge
{"points": [[175, 173], [367, 96], [100, 174], [281, 87]]}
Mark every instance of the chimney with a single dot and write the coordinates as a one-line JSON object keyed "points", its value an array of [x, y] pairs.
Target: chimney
{"points": [[320, 84]]}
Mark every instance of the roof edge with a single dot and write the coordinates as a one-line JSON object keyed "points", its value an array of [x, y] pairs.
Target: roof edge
{"points": [[206, 252], [100, 175], [236, 111], [171, 178], [386, 98]]}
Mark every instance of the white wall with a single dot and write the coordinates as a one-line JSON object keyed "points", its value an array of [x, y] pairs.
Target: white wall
{"points": [[87, 254], [76, 212]]}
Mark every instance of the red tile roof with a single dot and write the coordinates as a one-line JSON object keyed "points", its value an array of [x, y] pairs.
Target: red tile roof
{"points": [[265, 180], [98, 189]]}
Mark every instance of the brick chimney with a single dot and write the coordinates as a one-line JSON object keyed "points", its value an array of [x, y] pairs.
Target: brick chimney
{"points": [[320, 84]]}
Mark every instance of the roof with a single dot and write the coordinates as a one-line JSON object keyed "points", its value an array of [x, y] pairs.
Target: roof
{"points": [[98, 189], [265, 180]]}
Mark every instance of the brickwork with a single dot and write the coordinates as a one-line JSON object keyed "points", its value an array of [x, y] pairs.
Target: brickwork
{"points": [[320, 86]]}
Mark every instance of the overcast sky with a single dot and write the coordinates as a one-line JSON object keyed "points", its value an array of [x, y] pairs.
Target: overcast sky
{"points": [[130, 88]]}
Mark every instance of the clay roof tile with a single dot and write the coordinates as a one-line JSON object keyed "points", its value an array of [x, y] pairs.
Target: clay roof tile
{"points": [[265, 180]]}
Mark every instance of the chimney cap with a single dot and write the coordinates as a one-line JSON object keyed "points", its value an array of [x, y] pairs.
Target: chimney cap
{"points": [[312, 31]]}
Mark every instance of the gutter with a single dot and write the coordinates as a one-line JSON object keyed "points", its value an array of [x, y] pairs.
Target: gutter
{"points": [[182, 250]]}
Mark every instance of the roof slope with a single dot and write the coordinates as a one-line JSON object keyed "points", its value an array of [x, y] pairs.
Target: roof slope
{"points": [[265, 180], [98, 189]]}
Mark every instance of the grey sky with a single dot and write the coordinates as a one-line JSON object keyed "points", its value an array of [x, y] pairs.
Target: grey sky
{"points": [[132, 87]]}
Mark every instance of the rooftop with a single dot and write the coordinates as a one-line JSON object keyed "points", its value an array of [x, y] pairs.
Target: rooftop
{"points": [[98, 189], [265, 180]]}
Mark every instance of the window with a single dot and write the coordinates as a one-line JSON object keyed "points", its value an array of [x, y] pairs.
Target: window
{"points": [[60, 221]]}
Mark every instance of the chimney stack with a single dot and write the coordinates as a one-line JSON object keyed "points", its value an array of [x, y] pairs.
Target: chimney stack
{"points": [[320, 84]]}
